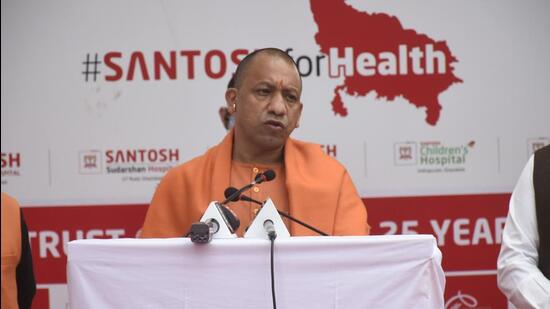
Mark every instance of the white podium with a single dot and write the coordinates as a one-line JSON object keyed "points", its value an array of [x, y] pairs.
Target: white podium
{"points": [[310, 272]]}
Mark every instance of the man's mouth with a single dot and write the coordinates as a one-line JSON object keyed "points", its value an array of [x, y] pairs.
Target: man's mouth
{"points": [[274, 124]]}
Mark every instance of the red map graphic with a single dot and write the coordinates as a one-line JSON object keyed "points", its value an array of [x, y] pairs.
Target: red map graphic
{"points": [[341, 26]]}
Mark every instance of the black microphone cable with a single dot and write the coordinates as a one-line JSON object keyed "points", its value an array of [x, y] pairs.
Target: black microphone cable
{"points": [[271, 234], [272, 240]]}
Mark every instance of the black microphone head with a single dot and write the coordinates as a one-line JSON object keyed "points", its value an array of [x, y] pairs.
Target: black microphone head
{"points": [[230, 191], [265, 176], [269, 175], [231, 217]]}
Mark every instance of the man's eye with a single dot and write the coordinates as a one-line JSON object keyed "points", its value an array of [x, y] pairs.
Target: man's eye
{"points": [[291, 98], [263, 91]]}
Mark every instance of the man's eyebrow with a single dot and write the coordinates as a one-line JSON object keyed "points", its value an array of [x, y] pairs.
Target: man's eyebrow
{"points": [[290, 87], [274, 84]]}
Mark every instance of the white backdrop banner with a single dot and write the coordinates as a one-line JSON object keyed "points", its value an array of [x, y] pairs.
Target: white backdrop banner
{"points": [[100, 98], [417, 99]]}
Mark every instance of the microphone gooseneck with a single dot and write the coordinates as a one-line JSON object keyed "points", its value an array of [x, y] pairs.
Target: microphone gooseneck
{"points": [[249, 199]]}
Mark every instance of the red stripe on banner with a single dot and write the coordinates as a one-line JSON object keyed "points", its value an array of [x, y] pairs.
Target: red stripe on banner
{"points": [[50, 228], [41, 300], [468, 227]]}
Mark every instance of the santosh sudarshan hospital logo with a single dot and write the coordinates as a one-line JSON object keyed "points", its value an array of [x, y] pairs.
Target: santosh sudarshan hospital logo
{"points": [[433, 156], [128, 161], [90, 162]]}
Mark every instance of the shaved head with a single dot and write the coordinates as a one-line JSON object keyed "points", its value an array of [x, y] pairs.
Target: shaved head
{"points": [[265, 100], [243, 65]]}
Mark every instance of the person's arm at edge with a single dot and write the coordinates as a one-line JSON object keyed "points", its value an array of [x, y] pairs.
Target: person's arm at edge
{"points": [[518, 276]]}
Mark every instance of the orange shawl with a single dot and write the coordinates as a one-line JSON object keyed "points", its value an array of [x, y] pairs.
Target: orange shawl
{"points": [[320, 192]]}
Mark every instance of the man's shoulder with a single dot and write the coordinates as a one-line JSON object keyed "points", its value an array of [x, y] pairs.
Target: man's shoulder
{"points": [[192, 166], [313, 154]]}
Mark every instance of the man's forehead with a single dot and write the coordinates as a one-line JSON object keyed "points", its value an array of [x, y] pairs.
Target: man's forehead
{"points": [[261, 69], [278, 84]]}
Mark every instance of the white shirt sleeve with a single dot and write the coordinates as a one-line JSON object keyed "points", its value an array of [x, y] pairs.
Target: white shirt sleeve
{"points": [[518, 276]]}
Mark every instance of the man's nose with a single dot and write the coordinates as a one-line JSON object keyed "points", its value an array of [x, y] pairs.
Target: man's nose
{"points": [[277, 104]]}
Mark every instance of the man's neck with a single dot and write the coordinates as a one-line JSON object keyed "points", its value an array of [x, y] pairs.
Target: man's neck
{"points": [[247, 153]]}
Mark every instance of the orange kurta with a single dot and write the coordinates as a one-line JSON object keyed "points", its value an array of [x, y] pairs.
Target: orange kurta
{"points": [[320, 192], [243, 173]]}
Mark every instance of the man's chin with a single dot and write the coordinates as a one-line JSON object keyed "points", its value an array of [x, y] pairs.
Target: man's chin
{"points": [[271, 142]]}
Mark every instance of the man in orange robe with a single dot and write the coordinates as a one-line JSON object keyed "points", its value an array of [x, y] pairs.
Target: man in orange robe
{"points": [[18, 283], [310, 185]]}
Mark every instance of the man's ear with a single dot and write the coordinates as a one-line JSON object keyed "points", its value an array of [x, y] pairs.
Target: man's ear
{"points": [[231, 100]]}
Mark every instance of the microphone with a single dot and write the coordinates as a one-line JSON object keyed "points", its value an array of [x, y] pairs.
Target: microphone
{"points": [[231, 191], [202, 232], [230, 218], [270, 229], [265, 176]]}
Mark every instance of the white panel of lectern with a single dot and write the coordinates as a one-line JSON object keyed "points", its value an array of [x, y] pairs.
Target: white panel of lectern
{"points": [[400, 271]]}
